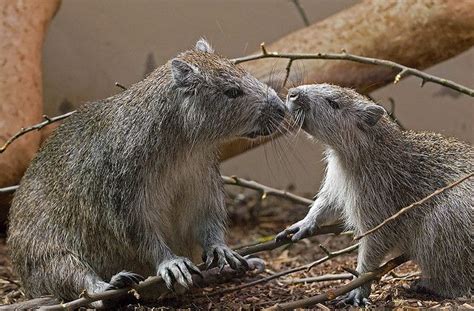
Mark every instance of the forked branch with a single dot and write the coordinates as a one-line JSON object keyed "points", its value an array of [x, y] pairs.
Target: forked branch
{"points": [[403, 70]]}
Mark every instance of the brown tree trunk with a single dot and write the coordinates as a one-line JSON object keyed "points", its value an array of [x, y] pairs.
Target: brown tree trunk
{"points": [[415, 33], [23, 25]]}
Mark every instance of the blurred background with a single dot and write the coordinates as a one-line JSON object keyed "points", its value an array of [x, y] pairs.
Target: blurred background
{"points": [[92, 44]]}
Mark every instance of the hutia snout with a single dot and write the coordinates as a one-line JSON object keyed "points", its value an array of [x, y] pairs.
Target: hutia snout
{"points": [[271, 117], [296, 100]]}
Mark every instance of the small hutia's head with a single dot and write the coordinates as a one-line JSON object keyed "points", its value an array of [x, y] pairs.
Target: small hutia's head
{"points": [[334, 115], [221, 100]]}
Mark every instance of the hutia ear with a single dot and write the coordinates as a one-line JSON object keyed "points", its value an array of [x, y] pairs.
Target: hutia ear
{"points": [[371, 114], [184, 74], [203, 46]]}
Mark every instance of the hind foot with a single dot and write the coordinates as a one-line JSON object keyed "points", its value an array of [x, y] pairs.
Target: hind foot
{"points": [[358, 297], [421, 286]]}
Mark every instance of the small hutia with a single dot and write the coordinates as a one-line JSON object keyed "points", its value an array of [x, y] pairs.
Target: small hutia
{"points": [[373, 170]]}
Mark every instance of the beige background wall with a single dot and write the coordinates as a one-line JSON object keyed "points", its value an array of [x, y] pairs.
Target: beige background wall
{"points": [[91, 44]]}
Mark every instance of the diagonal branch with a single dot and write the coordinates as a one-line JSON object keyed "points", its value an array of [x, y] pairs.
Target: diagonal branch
{"points": [[266, 190], [403, 70], [38, 126], [411, 206], [333, 293], [307, 267], [10, 189]]}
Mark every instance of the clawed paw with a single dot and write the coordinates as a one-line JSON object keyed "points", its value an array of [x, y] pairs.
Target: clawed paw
{"points": [[357, 298], [124, 279], [178, 269], [297, 231], [220, 255]]}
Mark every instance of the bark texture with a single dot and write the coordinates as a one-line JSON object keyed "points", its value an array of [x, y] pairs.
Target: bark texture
{"points": [[23, 26]]}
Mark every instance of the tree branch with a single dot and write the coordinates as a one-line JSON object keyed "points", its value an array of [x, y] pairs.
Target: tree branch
{"points": [[403, 70], [301, 12], [332, 294], [10, 189], [38, 126], [411, 206], [155, 280], [320, 278], [285, 272], [265, 190]]}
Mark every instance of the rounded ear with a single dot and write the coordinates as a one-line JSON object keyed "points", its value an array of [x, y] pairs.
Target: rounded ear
{"points": [[371, 114], [203, 46], [184, 74]]}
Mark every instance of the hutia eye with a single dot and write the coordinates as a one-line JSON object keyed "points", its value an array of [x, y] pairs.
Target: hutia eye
{"points": [[333, 104], [233, 92]]}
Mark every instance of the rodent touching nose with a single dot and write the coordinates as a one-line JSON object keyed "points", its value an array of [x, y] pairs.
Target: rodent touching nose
{"points": [[295, 100], [279, 107]]}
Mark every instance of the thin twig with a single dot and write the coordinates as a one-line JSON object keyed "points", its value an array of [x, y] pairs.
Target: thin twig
{"points": [[320, 278], [306, 267], [10, 189], [153, 281], [333, 293], [403, 70], [38, 126], [287, 73], [117, 84], [301, 11], [265, 190], [413, 205], [392, 114]]}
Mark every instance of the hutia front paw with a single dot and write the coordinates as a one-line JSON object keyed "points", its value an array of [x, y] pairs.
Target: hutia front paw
{"points": [[220, 255], [178, 269], [297, 231]]}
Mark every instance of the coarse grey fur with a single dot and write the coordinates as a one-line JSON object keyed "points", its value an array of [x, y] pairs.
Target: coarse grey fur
{"points": [[373, 170], [132, 182]]}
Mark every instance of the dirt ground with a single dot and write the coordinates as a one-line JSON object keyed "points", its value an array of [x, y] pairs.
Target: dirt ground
{"points": [[251, 223]]}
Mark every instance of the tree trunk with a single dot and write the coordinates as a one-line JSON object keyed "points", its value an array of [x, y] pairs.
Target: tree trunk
{"points": [[23, 26]]}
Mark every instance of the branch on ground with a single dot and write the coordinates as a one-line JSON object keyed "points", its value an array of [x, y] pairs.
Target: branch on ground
{"points": [[334, 293], [306, 267], [155, 280], [265, 191]]}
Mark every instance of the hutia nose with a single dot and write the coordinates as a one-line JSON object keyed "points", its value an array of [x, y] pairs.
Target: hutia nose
{"points": [[278, 105], [293, 94]]}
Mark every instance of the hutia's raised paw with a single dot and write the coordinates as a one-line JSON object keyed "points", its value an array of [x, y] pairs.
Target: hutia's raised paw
{"points": [[297, 231], [178, 269], [220, 255]]}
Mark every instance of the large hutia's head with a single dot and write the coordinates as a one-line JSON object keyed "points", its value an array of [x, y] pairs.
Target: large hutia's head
{"points": [[221, 100], [334, 115]]}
